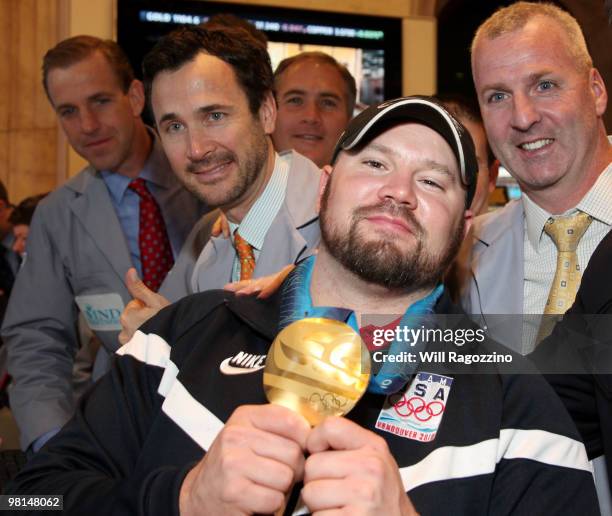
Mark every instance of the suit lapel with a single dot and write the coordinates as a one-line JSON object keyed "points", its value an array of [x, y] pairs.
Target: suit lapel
{"points": [[283, 244], [95, 211], [498, 267], [213, 268], [498, 263]]}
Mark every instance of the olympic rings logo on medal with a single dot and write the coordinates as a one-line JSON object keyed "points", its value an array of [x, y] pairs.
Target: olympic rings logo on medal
{"points": [[418, 408]]}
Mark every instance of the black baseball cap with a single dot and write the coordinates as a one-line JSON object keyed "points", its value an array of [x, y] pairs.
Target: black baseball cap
{"points": [[423, 110]]}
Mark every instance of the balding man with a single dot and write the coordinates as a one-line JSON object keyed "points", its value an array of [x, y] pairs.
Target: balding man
{"points": [[542, 103]]}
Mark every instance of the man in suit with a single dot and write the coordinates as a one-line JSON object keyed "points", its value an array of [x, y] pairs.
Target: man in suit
{"points": [[213, 104], [192, 436], [542, 103], [116, 213]]}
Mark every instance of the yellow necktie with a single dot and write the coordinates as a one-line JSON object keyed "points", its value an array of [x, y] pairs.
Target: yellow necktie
{"points": [[565, 232], [246, 257]]}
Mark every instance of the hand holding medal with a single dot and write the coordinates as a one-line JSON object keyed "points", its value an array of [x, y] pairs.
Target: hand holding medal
{"points": [[317, 367]]}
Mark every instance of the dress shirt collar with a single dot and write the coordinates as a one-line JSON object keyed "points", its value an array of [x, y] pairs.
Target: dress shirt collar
{"points": [[155, 171], [258, 220], [596, 203]]}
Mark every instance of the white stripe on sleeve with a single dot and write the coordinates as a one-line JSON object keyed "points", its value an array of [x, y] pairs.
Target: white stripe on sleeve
{"points": [[451, 462]]}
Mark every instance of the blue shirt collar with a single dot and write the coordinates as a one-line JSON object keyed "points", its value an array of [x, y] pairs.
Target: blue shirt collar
{"points": [[153, 172]]}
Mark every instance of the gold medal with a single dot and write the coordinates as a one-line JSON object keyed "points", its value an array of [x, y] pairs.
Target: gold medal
{"points": [[317, 367]]}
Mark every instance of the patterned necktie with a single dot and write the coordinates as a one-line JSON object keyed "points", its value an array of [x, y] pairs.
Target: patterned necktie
{"points": [[246, 257], [155, 249], [565, 232]]}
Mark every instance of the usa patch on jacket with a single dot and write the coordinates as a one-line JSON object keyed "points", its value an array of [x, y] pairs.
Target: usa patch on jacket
{"points": [[417, 412]]}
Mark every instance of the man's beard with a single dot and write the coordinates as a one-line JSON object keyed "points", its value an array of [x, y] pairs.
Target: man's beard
{"points": [[248, 171], [381, 261]]}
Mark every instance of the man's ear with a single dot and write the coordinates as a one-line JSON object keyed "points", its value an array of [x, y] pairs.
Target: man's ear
{"points": [[598, 88], [267, 113], [136, 96], [323, 183]]}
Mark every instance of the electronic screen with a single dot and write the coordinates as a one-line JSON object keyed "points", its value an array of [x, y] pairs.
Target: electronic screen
{"points": [[369, 46]]}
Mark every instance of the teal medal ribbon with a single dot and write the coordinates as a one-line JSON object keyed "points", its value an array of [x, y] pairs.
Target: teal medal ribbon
{"points": [[296, 304]]}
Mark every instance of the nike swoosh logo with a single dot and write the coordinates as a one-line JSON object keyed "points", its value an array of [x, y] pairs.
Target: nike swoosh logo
{"points": [[228, 369]]}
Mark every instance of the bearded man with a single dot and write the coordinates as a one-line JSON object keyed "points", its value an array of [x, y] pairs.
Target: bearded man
{"points": [[192, 436]]}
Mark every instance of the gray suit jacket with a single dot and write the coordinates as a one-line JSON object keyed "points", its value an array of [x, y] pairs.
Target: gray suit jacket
{"points": [[76, 247], [494, 284], [206, 262]]}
